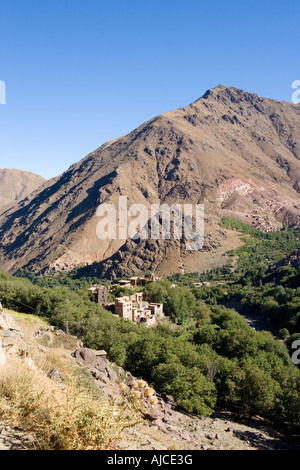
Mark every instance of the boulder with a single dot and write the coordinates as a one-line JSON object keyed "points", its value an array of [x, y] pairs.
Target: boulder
{"points": [[101, 364], [3, 324], [55, 375], [85, 356], [11, 322], [60, 333], [12, 333], [8, 323], [152, 414], [97, 374], [9, 340], [112, 375]]}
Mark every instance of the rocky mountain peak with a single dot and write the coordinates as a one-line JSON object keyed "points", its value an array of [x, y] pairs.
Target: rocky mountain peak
{"points": [[231, 150]]}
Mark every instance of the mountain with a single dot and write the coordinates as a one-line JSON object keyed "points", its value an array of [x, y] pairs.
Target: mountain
{"points": [[233, 151], [16, 185]]}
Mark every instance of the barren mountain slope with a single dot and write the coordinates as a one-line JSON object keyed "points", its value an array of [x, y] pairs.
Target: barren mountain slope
{"points": [[16, 185], [233, 151]]}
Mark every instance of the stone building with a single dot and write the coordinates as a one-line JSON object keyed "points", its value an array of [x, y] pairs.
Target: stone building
{"points": [[133, 308], [123, 307], [100, 294], [156, 309], [136, 281]]}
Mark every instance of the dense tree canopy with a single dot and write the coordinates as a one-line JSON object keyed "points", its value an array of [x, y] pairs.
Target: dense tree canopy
{"points": [[206, 358]]}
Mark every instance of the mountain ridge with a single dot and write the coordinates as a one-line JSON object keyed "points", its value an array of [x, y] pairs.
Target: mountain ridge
{"points": [[233, 151], [16, 185]]}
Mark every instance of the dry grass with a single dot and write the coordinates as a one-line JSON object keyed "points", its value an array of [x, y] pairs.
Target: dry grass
{"points": [[28, 318], [61, 418], [67, 416], [70, 415]]}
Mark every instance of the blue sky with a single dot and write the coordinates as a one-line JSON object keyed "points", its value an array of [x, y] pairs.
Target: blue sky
{"points": [[81, 72]]}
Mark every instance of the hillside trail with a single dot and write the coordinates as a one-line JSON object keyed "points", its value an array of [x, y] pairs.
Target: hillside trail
{"points": [[222, 431]]}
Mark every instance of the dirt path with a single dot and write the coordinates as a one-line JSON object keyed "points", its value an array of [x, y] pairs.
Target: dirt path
{"points": [[222, 431]]}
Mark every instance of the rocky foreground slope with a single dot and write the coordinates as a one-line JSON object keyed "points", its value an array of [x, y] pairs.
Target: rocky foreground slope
{"points": [[233, 151], [38, 349]]}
